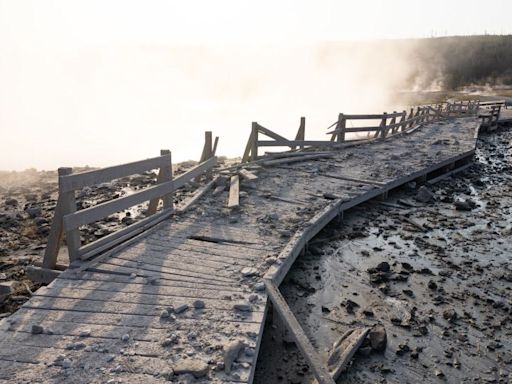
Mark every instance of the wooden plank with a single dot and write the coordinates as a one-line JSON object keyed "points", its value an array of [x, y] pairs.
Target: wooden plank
{"points": [[97, 246], [41, 274], [178, 245], [23, 324], [113, 307], [215, 271], [136, 283], [128, 320], [296, 159], [79, 180], [192, 173], [298, 334], [269, 133], [99, 211], [371, 117], [234, 189], [107, 266], [354, 129], [212, 303], [171, 260], [294, 143], [247, 175], [344, 350]]}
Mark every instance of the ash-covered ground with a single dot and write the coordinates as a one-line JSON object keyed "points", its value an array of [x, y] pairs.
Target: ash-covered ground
{"points": [[436, 273]]}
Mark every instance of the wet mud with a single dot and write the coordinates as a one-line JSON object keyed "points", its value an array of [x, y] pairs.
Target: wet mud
{"points": [[432, 265]]}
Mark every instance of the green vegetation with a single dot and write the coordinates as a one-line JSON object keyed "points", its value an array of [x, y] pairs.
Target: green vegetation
{"points": [[454, 62]]}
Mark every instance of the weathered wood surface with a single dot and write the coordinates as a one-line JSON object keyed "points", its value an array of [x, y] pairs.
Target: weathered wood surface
{"points": [[213, 254]]}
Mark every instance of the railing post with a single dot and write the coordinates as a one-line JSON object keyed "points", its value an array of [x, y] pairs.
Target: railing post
{"points": [[383, 124], [401, 124], [254, 144], [69, 206], [301, 133], [410, 124], [164, 174], [56, 231], [392, 123], [342, 122]]}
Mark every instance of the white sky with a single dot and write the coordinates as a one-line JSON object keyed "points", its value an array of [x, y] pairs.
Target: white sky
{"points": [[72, 22], [78, 78]]}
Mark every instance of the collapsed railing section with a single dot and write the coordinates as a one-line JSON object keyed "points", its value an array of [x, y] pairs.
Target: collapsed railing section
{"points": [[67, 219], [387, 124]]}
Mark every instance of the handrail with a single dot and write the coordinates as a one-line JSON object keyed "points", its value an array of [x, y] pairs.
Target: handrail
{"points": [[67, 220], [394, 122]]}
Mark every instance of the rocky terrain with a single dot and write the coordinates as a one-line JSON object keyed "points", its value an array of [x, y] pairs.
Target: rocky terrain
{"points": [[429, 269], [27, 202]]}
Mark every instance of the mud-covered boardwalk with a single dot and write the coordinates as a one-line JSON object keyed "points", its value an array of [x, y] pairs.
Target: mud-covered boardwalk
{"points": [[173, 305]]}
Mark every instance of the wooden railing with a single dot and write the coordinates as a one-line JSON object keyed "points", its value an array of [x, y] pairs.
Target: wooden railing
{"points": [[67, 219], [490, 116], [387, 123]]}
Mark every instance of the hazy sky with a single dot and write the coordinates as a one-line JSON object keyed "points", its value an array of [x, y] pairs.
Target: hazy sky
{"points": [[104, 82]]}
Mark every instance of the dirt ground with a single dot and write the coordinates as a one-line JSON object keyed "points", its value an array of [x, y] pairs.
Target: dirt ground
{"points": [[435, 274]]}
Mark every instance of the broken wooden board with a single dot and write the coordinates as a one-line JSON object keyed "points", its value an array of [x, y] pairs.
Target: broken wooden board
{"points": [[234, 192]]}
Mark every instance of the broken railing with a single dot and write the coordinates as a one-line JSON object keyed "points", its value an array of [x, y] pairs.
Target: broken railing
{"points": [[387, 124], [67, 219]]}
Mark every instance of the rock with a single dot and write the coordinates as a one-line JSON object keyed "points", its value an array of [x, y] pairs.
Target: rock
{"points": [[181, 308], [424, 195], [260, 286], [197, 368], [402, 349], [198, 304], [11, 202], [378, 338], [350, 305], [249, 271], [383, 267], [464, 205], [164, 314], [36, 329], [6, 289], [33, 211], [450, 315], [243, 306], [65, 363], [125, 337], [231, 353], [85, 333]]}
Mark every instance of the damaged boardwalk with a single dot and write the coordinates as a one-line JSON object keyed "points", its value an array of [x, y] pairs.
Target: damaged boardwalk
{"points": [[189, 295]]}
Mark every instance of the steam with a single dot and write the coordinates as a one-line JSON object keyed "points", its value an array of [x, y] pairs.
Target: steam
{"points": [[107, 105]]}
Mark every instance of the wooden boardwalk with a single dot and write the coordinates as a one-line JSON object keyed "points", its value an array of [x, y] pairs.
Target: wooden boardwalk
{"points": [[181, 296]]}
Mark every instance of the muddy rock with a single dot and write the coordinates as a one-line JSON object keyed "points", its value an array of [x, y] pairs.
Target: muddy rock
{"points": [[378, 338], [195, 367], [424, 195], [231, 353]]}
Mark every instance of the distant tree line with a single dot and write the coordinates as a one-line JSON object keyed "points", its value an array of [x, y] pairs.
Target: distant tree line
{"points": [[455, 62]]}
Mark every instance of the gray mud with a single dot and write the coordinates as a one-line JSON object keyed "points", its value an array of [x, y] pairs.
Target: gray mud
{"points": [[445, 301]]}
